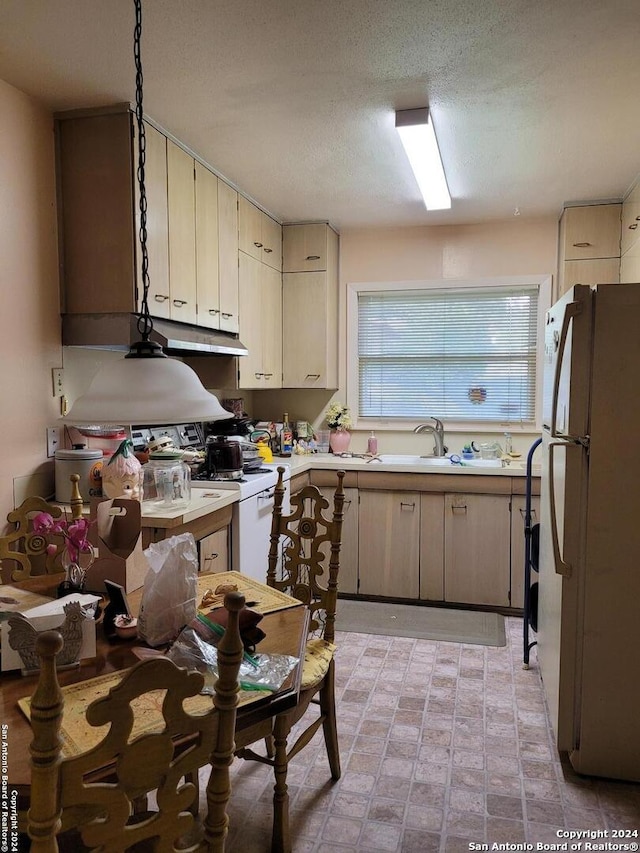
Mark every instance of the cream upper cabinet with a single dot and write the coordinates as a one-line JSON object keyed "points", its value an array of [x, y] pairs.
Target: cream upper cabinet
{"points": [[98, 215], [207, 255], [259, 235], [630, 265], [630, 220], [589, 245], [260, 290], [228, 258], [181, 194], [157, 223], [306, 248], [389, 549], [590, 231], [310, 315], [518, 507], [477, 559]]}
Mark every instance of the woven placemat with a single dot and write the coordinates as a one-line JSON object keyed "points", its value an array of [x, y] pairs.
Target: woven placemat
{"points": [[78, 736], [258, 595]]}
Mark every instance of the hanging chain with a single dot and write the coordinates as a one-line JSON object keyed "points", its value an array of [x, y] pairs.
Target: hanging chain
{"points": [[145, 324]]}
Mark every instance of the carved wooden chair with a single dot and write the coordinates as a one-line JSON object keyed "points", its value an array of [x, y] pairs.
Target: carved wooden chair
{"points": [[26, 550], [304, 558], [96, 794]]}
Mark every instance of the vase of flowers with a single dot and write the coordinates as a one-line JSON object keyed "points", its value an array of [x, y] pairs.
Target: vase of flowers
{"points": [[338, 420], [77, 554]]}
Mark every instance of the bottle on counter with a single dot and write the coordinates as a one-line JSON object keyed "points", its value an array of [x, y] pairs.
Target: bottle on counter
{"points": [[372, 444], [286, 437]]}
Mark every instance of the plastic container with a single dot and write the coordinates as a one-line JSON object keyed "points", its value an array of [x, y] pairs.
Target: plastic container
{"points": [[372, 444], [166, 482], [88, 464]]}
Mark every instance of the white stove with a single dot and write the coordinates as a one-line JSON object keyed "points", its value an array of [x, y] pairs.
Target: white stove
{"points": [[251, 482]]}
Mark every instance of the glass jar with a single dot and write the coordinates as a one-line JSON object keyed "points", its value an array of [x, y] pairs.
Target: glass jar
{"points": [[166, 482]]}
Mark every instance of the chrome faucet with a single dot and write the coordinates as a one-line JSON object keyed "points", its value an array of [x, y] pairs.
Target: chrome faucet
{"points": [[437, 429]]}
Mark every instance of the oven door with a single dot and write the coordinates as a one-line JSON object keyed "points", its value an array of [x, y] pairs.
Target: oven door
{"points": [[250, 532]]}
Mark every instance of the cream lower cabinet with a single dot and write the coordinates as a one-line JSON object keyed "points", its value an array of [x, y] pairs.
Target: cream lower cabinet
{"points": [[432, 547], [260, 292], [389, 543], [518, 506], [477, 563], [214, 551]]}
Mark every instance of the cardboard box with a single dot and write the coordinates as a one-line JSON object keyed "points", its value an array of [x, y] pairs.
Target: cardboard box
{"points": [[47, 616], [119, 542]]}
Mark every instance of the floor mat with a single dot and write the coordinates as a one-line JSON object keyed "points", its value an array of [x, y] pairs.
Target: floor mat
{"points": [[427, 623]]}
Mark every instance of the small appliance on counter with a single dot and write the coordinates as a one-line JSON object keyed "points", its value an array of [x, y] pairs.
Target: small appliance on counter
{"points": [[223, 459]]}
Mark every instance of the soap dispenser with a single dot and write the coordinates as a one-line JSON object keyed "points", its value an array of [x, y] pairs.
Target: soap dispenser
{"points": [[372, 444]]}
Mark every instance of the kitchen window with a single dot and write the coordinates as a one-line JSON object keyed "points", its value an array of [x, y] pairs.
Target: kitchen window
{"points": [[467, 353]]}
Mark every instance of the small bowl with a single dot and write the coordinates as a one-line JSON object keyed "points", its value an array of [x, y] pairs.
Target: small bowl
{"points": [[126, 627]]}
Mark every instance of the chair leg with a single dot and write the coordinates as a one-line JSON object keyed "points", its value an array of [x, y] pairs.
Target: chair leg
{"points": [[280, 837], [270, 746], [330, 730]]}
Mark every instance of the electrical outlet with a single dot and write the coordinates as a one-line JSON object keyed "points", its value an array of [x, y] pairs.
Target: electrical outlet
{"points": [[57, 374], [53, 441]]}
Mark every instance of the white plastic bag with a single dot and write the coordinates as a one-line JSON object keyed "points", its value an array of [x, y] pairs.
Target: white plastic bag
{"points": [[170, 589]]}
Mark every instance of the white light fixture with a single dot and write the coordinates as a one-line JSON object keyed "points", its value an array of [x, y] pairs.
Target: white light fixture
{"points": [[145, 387], [419, 139]]}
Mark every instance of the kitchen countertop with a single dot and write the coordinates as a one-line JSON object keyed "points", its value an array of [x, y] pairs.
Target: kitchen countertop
{"points": [[327, 461], [203, 502]]}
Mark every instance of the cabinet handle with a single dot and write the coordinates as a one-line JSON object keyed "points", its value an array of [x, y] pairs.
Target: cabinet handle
{"points": [[411, 505], [268, 250], [312, 258], [258, 245], [463, 507], [581, 245], [179, 302], [214, 310], [533, 513], [211, 557], [226, 316], [259, 375], [312, 376], [633, 227], [160, 297], [267, 375]]}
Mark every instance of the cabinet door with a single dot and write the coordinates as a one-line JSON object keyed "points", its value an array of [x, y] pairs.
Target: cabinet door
{"points": [[348, 574], [214, 552], [432, 547], [598, 271], [228, 258], [518, 503], [304, 247], [271, 243], [271, 311], [157, 224], [630, 220], [477, 549], [182, 233], [389, 532], [592, 231], [251, 323], [304, 330], [630, 265], [250, 228], [208, 292]]}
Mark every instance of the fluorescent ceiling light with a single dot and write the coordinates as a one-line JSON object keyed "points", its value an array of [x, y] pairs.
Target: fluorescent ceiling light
{"points": [[419, 139]]}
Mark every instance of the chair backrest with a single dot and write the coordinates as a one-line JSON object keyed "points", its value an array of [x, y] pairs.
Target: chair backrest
{"points": [[301, 567], [96, 791], [26, 549]]}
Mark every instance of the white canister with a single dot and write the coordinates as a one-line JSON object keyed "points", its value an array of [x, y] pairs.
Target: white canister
{"points": [[86, 463]]}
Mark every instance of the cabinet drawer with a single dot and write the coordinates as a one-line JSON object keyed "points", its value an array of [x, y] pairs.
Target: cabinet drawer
{"points": [[630, 220], [592, 231]]}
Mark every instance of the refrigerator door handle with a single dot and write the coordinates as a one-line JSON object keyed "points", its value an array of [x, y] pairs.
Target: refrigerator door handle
{"points": [[572, 310], [561, 567]]}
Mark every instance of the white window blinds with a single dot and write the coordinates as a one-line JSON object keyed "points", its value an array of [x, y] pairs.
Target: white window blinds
{"points": [[464, 355]]}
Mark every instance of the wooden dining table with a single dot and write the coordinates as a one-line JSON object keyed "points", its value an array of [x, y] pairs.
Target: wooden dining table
{"points": [[285, 630]]}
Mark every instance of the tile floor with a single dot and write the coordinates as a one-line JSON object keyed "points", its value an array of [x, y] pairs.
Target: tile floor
{"points": [[442, 744]]}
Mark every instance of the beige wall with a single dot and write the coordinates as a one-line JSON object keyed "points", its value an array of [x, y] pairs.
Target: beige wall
{"points": [[30, 339], [517, 247]]}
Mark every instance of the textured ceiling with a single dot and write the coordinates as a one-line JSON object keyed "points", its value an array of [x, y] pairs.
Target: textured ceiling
{"points": [[534, 103]]}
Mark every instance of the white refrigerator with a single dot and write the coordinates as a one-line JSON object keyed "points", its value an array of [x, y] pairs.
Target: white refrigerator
{"points": [[589, 592]]}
